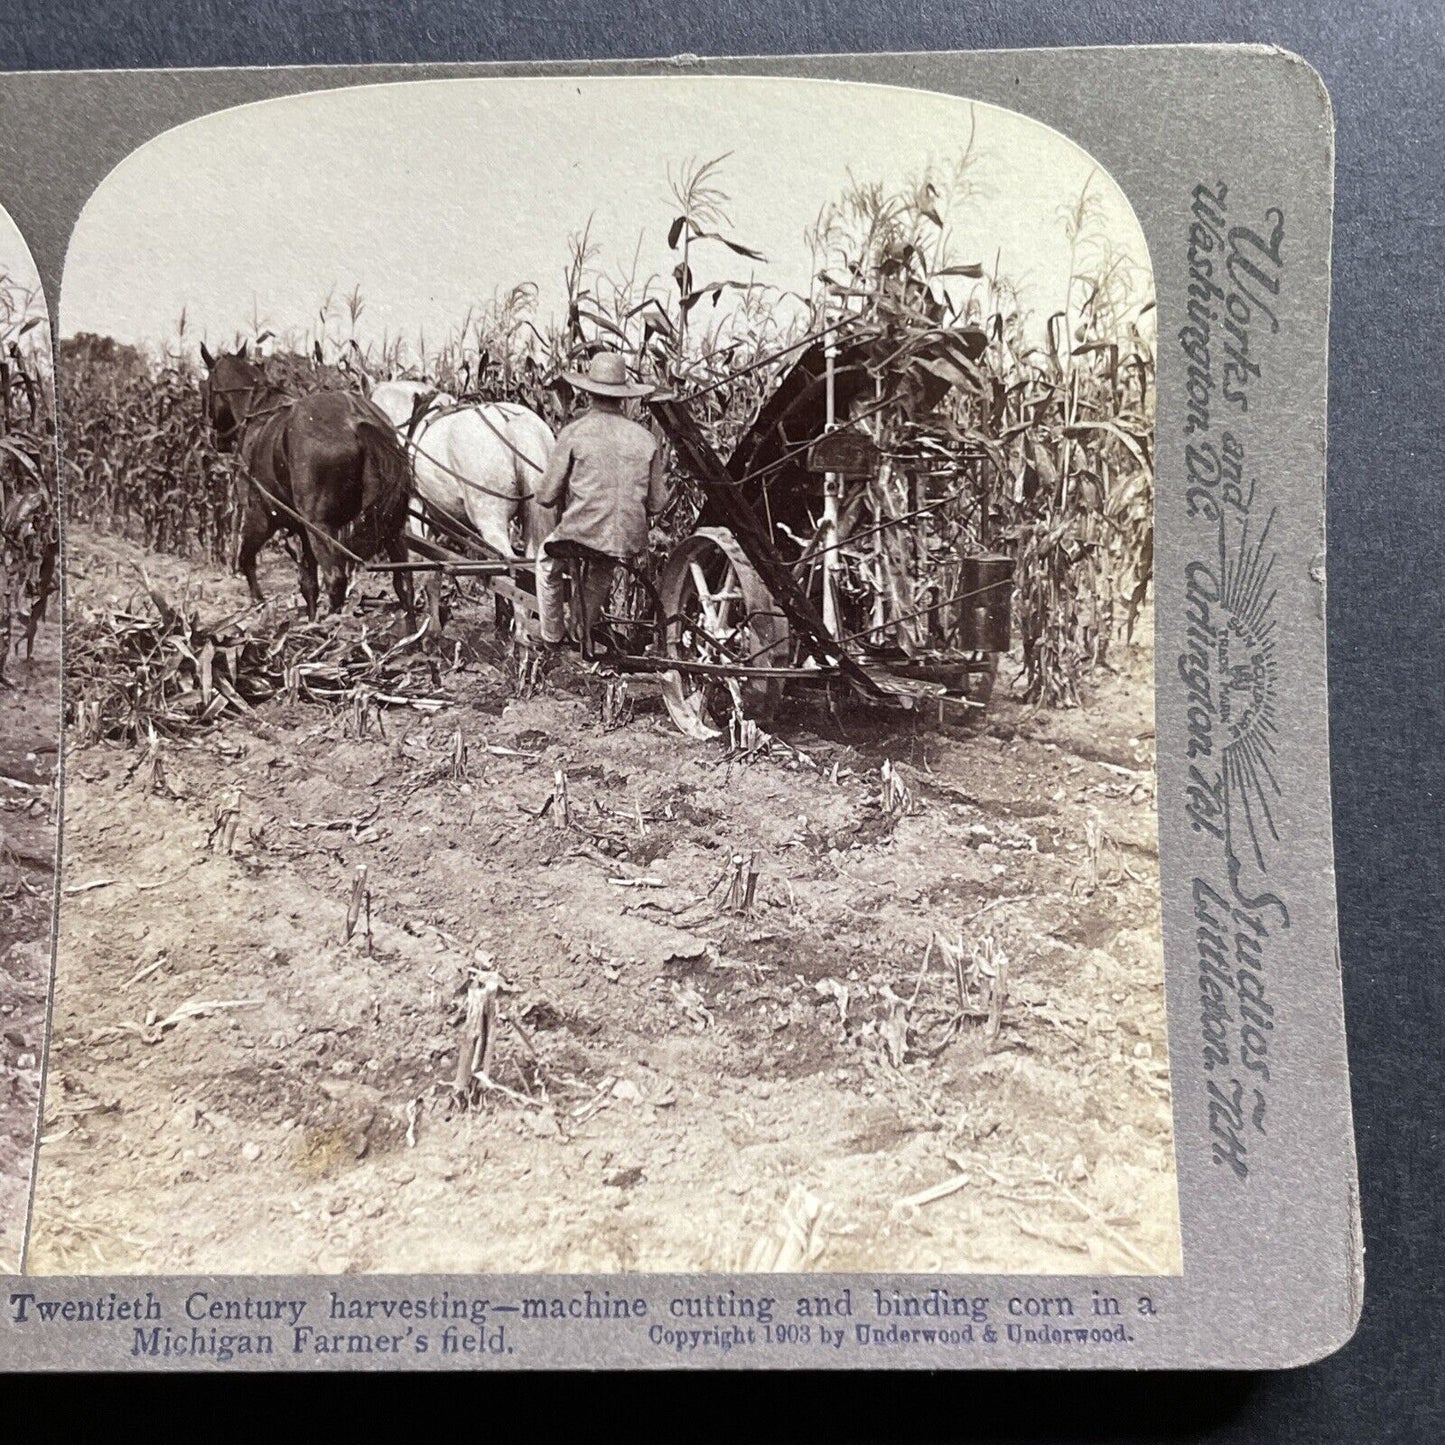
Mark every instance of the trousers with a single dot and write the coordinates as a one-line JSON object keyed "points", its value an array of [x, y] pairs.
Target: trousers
{"points": [[552, 591]]}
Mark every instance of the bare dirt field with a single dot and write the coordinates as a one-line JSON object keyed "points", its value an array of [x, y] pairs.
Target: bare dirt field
{"points": [[29, 752], [686, 1088]]}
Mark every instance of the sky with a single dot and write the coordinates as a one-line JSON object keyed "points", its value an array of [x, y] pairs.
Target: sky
{"points": [[433, 195]]}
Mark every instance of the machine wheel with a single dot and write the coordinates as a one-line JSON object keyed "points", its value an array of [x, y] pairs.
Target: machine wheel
{"points": [[722, 612]]}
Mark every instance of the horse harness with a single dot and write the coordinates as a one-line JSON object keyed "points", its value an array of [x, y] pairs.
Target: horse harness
{"points": [[283, 403], [414, 447]]}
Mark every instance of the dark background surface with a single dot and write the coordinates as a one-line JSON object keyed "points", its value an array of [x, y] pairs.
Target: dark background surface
{"points": [[1384, 65]]}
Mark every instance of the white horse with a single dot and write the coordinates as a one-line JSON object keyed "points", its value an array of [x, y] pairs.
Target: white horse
{"points": [[478, 464]]}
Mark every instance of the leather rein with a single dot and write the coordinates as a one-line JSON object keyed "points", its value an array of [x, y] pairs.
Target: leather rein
{"points": [[237, 431], [414, 446]]}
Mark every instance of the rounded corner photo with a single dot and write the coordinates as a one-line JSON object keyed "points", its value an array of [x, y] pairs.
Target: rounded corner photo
{"points": [[610, 693], [29, 718]]}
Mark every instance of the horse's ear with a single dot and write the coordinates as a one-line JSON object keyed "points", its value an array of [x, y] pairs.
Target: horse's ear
{"points": [[242, 351], [207, 357]]}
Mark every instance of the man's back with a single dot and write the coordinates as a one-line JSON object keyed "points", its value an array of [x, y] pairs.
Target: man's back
{"points": [[607, 471]]}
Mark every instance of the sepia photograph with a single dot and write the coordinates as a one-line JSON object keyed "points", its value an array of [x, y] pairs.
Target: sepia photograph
{"points": [[609, 714], [29, 718]]}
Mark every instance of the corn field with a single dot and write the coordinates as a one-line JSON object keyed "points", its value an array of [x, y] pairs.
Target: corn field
{"points": [[1041, 448], [29, 537], [1048, 447]]}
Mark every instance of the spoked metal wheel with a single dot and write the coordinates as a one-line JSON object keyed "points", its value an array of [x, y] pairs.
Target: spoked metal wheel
{"points": [[721, 613]]}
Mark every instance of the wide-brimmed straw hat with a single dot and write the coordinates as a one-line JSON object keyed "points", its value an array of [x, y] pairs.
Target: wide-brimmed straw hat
{"points": [[606, 375]]}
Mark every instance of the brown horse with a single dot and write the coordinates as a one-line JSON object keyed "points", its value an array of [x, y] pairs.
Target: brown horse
{"points": [[325, 467]]}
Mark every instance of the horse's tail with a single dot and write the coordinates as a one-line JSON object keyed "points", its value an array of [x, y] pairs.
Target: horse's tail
{"points": [[536, 520], [387, 485]]}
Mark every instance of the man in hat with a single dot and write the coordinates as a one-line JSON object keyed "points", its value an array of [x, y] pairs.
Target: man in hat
{"points": [[606, 474]]}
